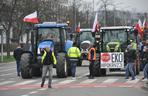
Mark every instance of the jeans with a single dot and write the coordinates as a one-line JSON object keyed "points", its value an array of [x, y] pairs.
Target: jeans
{"points": [[73, 67], [130, 70], [145, 71], [18, 66], [44, 72]]}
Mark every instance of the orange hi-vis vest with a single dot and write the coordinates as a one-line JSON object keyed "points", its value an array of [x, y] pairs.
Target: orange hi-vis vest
{"points": [[92, 56]]}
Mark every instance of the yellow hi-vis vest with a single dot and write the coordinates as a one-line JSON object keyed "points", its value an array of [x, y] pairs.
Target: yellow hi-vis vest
{"points": [[44, 55], [74, 52]]}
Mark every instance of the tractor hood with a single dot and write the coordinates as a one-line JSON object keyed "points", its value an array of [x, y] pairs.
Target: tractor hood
{"points": [[113, 46], [45, 43], [85, 45]]}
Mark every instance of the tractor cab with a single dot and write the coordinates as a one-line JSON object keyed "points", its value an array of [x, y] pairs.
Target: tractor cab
{"points": [[47, 34]]}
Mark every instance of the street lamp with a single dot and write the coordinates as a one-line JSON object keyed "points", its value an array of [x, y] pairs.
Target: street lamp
{"points": [[1, 32]]}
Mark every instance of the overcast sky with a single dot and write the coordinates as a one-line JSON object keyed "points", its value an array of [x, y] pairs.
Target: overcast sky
{"points": [[137, 5]]}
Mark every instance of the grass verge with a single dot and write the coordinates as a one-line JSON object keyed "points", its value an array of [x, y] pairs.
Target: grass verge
{"points": [[7, 59]]}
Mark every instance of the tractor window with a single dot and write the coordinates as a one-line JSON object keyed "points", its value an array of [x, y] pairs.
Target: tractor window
{"points": [[49, 33], [86, 36], [114, 36]]}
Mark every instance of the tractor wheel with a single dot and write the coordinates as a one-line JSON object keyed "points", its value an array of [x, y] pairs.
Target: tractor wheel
{"points": [[26, 70], [97, 69], [61, 67], [103, 72], [68, 67]]}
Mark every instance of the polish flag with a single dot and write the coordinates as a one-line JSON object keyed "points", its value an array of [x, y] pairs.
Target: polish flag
{"points": [[96, 25], [145, 24], [78, 28], [32, 18], [139, 28]]}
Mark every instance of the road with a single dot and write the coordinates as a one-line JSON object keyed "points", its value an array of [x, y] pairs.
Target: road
{"points": [[113, 84]]}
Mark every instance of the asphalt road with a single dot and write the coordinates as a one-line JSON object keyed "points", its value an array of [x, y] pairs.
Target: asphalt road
{"points": [[113, 84]]}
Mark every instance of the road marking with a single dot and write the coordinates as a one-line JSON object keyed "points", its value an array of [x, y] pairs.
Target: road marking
{"points": [[7, 69], [33, 92], [108, 81], [26, 82], [46, 82], [8, 74], [43, 89], [132, 81], [88, 81], [6, 82], [66, 81]]}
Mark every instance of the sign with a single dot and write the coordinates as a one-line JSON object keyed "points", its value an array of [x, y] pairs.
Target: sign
{"points": [[112, 60]]}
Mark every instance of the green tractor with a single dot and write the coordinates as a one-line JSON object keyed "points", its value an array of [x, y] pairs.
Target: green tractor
{"points": [[111, 48], [49, 34]]}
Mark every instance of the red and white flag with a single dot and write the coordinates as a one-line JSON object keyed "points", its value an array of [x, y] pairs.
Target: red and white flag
{"points": [[32, 18], [139, 28], [145, 24], [96, 25], [78, 28]]}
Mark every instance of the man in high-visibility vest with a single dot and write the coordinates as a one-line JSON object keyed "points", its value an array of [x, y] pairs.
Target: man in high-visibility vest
{"points": [[48, 59], [92, 59], [73, 55]]}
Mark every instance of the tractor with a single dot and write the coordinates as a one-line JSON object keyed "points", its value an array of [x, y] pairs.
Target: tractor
{"points": [[46, 34], [111, 43], [84, 41]]}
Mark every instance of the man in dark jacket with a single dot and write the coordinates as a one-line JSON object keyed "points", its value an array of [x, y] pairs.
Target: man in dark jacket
{"points": [[17, 55], [48, 59], [131, 58]]}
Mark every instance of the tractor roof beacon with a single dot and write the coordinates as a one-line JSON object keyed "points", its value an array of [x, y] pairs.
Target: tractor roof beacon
{"points": [[49, 34]]}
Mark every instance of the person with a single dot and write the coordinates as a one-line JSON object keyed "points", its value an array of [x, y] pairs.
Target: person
{"points": [[145, 61], [17, 55], [73, 55], [92, 59], [48, 59], [131, 58]]}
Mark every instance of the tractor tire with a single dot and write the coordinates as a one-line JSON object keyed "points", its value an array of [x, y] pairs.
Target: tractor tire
{"points": [[103, 72], [61, 66], [26, 70], [97, 69]]}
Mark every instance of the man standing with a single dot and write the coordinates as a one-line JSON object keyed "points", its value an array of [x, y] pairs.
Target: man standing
{"points": [[73, 55], [92, 59], [48, 59], [131, 59], [17, 55]]}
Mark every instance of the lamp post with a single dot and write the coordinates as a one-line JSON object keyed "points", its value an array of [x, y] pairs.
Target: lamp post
{"points": [[1, 31]]}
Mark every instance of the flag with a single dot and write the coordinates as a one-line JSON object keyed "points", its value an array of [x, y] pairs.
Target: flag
{"points": [[139, 28], [78, 28], [145, 24], [32, 18], [96, 25]]}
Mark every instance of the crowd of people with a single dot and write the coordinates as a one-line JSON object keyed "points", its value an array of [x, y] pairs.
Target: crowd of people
{"points": [[73, 53]]}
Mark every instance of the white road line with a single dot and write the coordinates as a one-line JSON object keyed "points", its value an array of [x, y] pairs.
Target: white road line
{"points": [[88, 81], [7, 70], [6, 82], [66, 81], [25, 82], [46, 82], [132, 81], [7, 67], [43, 89], [33, 92], [110, 81], [8, 74]]}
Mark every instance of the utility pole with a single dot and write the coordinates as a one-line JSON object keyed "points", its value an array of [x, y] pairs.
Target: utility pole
{"points": [[74, 15], [1, 30]]}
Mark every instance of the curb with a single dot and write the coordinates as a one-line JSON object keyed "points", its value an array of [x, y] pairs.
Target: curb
{"points": [[2, 63]]}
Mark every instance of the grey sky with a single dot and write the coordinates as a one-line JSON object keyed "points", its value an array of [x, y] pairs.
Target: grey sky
{"points": [[136, 5]]}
